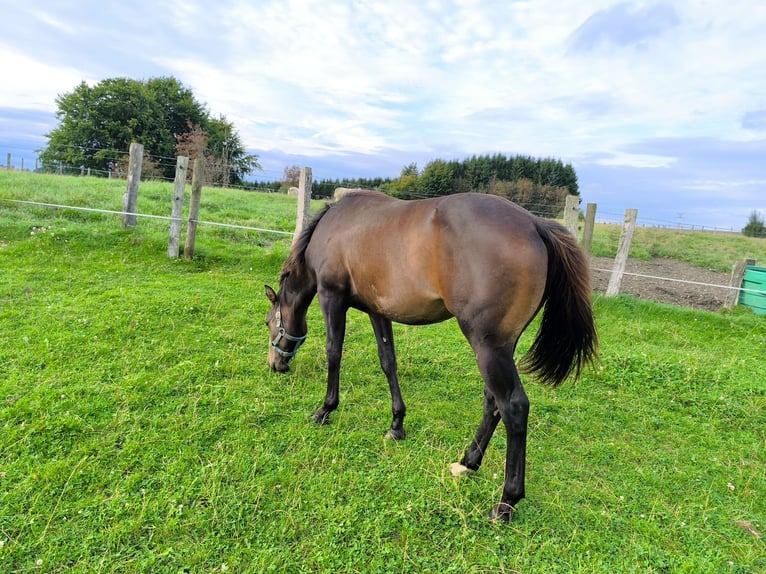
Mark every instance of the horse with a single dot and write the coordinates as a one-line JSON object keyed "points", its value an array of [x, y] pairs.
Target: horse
{"points": [[476, 257]]}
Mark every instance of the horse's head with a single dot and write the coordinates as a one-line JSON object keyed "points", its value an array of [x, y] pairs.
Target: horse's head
{"points": [[286, 331]]}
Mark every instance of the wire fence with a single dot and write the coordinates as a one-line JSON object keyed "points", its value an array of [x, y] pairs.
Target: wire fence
{"points": [[271, 182], [538, 209], [146, 216], [724, 287], [681, 281], [160, 165]]}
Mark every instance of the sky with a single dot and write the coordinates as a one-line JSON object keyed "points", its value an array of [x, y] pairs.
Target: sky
{"points": [[659, 106]]}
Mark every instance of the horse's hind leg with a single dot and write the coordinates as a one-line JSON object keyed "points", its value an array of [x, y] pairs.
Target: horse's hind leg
{"points": [[384, 334], [475, 453], [502, 380]]}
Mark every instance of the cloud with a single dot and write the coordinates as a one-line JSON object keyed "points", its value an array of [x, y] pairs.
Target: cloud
{"points": [[636, 160], [755, 120], [29, 83], [624, 24], [664, 97]]}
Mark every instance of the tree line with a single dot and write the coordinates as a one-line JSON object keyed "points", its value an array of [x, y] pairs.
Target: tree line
{"points": [[539, 185]]}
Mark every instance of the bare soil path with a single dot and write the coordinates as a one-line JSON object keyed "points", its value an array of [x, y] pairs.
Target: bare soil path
{"points": [[662, 291]]}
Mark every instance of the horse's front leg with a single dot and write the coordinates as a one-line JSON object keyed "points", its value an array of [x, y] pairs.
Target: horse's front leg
{"points": [[384, 334], [334, 313]]}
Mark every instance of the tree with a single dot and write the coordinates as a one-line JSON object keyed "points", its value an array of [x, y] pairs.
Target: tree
{"points": [[544, 200], [192, 143], [407, 184], [232, 161], [97, 125], [410, 170], [436, 179], [756, 227], [291, 176]]}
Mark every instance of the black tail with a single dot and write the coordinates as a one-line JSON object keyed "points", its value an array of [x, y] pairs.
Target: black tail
{"points": [[567, 338]]}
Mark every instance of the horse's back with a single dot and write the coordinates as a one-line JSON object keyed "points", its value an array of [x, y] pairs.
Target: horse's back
{"points": [[423, 261]]}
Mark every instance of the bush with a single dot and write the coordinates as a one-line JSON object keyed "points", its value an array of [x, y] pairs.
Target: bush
{"points": [[755, 226]]}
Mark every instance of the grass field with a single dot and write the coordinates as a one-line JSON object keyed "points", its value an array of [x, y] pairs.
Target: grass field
{"points": [[141, 431]]}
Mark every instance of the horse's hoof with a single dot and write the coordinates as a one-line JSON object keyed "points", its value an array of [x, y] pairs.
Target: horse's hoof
{"points": [[395, 434], [501, 512], [321, 418], [458, 469]]}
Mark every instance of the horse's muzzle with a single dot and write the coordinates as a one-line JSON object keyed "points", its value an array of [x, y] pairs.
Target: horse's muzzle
{"points": [[277, 363]]}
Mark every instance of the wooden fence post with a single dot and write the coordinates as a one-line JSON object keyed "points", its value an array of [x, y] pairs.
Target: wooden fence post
{"points": [[179, 188], [130, 198], [622, 252], [304, 202], [590, 223], [8, 164], [198, 178], [571, 214], [737, 274]]}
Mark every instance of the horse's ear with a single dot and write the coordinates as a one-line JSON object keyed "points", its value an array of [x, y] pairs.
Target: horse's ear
{"points": [[271, 294]]}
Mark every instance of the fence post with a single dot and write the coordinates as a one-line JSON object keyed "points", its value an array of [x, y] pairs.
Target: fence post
{"points": [[304, 202], [590, 223], [571, 214], [179, 188], [737, 274], [9, 161], [622, 252], [130, 198], [198, 178]]}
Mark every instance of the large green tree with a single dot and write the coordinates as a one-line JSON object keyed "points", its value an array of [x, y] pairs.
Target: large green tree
{"points": [[98, 123]]}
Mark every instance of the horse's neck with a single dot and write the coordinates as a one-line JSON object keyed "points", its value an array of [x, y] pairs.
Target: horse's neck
{"points": [[300, 287]]}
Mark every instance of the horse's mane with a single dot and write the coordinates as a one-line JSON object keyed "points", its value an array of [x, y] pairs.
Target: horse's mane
{"points": [[297, 258]]}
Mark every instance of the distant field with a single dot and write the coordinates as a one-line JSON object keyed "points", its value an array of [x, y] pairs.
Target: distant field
{"points": [[710, 250], [141, 431]]}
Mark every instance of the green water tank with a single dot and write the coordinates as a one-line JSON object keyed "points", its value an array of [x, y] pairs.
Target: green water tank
{"points": [[753, 294]]}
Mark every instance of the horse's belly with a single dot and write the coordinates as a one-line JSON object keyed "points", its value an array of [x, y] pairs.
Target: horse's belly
{"points": [[408, 310]]}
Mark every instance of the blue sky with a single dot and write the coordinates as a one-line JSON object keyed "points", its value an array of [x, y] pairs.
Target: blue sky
{"points": [[659, 106]]}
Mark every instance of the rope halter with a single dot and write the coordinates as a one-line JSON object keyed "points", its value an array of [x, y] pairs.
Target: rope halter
{"points": [[282, 334]]}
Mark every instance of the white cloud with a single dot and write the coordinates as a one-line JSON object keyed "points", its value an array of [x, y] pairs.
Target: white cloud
{"points": [[637, 160], [590, 82], [29, 83]]}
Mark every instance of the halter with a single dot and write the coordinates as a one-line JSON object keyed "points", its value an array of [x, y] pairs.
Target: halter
{"points": [[282, 334]]}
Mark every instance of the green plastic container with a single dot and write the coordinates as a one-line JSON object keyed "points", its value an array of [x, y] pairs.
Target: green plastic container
{"points": [[755, 281]]}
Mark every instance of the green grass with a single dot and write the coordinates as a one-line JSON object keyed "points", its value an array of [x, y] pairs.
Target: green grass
{"points": [[709, 250], [141, 431]]}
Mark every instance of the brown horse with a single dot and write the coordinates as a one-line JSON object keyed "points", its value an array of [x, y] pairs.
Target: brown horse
{"points": [[476, 257]]}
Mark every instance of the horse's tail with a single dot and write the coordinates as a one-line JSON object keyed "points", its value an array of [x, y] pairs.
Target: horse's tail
{"points": [[566, 340]]}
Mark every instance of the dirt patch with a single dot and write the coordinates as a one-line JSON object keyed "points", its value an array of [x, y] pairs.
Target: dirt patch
{"points": [[649, 285]]}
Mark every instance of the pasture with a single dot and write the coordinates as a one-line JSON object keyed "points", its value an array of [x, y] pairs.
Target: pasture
{"points": [[141, 430]]}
